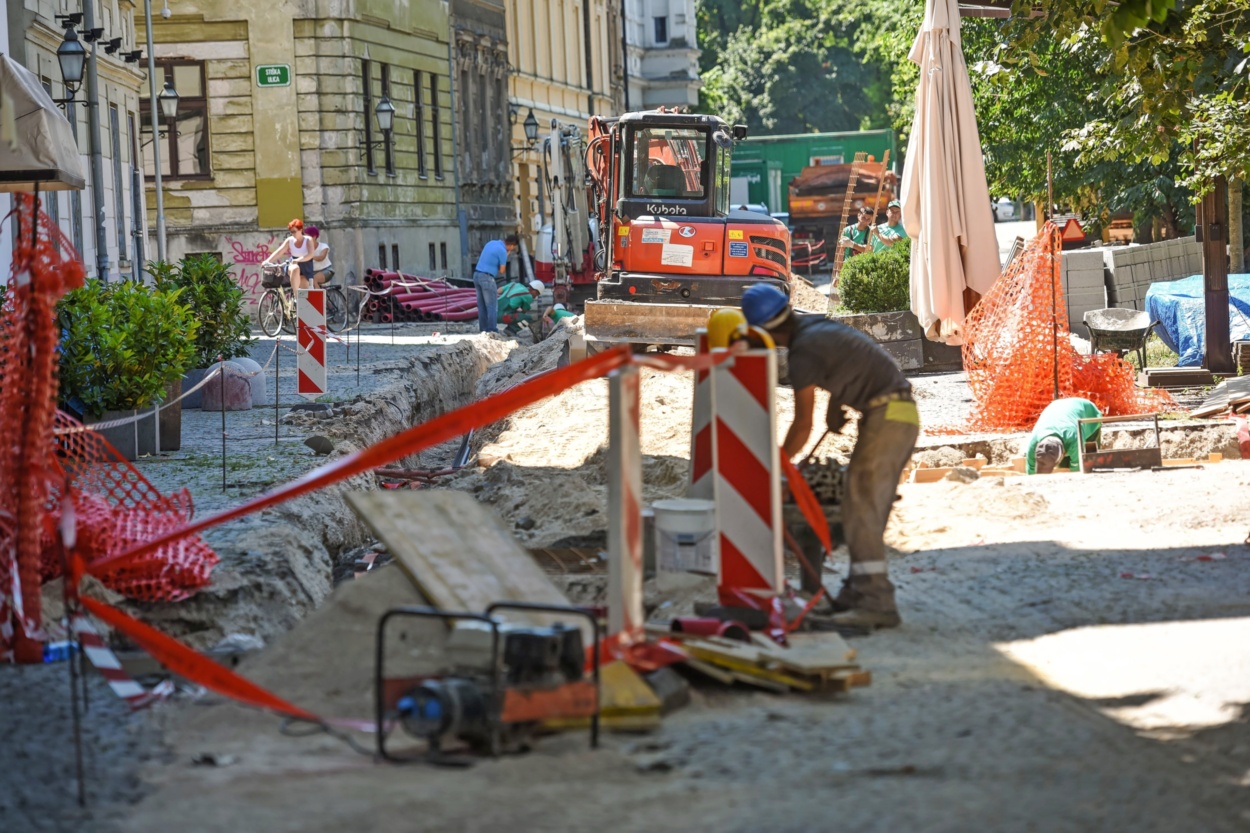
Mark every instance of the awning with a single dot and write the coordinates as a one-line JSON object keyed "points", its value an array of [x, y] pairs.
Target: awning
{"points": [[37, 146]]}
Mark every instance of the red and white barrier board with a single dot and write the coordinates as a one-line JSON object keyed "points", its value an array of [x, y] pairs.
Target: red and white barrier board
{"points": [[625, 613], [702, 478], [747, 473], [106, 662], [311, 362]]}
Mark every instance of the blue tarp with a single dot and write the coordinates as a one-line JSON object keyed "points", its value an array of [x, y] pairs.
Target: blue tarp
{"points": [[1179, 307]]}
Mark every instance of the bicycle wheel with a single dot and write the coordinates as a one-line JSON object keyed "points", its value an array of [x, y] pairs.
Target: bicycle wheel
{"points": [[269, 313], [290, 320], [336, 309]]}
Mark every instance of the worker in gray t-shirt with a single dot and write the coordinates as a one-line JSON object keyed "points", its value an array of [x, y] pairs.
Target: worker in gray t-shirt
{"points": [[857, 373]]}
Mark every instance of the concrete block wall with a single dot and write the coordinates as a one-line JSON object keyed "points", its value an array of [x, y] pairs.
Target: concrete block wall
{"points": [[1084, 286], [1131, 269]]}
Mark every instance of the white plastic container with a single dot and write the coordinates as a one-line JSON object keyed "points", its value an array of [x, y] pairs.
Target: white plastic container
{"points": [[685, 536]]}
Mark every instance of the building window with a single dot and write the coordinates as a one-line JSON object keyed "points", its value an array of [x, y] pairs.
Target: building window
{"points": [[437, 128], [419, 112], [661, 30], [382, 256], [75, 197], [433, 260], [119, 183], [395, 256], [442, 251], [387, 150], [366, 80], [184, 148], [136, 190]]}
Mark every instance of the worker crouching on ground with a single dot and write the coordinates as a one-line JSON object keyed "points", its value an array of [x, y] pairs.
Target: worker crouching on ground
{"points": [[516, 302], [552, 318], [857, 374], [1054, 441]]}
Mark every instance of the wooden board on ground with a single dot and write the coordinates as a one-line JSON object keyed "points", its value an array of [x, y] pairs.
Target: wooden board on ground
{"points": [[611, 320], [456, 551], [626, 704]]}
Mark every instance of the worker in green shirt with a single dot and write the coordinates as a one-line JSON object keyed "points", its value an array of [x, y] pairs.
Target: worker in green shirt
{"points": [[1054, 441], [891, 231], [855, 237], [552, 318], [515, 303]]}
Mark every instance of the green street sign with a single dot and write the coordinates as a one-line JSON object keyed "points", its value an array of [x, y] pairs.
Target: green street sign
{"points": [[273, 75]]}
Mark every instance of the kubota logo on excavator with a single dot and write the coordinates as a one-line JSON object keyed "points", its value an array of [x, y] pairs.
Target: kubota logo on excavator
{"points": [[665, 209]]}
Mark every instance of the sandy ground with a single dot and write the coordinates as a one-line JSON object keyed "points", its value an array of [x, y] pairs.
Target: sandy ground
{"points": [[1073, 657]]}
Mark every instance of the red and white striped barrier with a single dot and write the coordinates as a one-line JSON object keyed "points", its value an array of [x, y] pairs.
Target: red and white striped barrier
{"points": [[702, 478], [747, 474], [311, 363], [106, 662], [625, 614]]}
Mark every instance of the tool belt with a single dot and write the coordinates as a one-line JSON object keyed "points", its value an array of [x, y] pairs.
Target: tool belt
{"points": [[887, 398]]}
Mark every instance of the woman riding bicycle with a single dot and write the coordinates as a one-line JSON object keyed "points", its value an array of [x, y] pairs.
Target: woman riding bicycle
{"points": [[301, 249]]}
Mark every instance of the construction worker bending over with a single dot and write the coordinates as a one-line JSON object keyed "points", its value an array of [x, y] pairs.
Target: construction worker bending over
{"points": [[859, 374], [1054, 441], [515, 303]]}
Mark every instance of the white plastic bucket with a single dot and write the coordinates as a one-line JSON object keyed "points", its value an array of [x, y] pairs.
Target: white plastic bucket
{"points": [[685, 539]]}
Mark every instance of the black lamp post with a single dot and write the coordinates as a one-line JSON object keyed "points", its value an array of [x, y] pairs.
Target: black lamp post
{"points": [[168, 101], [531, 127], [71, 55], [385, 112]]}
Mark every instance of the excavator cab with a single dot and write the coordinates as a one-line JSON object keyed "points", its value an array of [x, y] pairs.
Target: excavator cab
{"points": [[668, 229]]}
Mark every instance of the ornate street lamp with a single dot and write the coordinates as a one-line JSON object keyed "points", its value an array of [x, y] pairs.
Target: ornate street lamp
{"points": [[168, 101], [531, 127], [71, 55], [385, 112]]}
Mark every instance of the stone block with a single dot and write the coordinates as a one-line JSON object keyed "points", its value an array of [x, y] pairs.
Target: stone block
{"points": [[1085, 279], [1083, 259], [909, 355], [938, 356], [1088, 300], [233, 388], [886, 326]]}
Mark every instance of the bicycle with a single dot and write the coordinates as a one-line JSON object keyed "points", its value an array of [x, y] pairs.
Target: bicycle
{"points": [[277, 311]]}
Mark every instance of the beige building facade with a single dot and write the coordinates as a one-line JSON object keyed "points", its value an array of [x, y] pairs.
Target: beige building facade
{"points": [[115, 247], [277, 120], [567, 64]]}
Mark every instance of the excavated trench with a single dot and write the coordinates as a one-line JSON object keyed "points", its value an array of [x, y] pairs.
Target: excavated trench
{"points": [[277, 565]]}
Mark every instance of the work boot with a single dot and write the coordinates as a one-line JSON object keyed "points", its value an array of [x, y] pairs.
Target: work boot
{"points": [[848, 597], [866, 618]]}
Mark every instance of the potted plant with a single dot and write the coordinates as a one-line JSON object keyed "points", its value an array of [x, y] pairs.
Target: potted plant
{"points": [[121, 345], [216, 301]]}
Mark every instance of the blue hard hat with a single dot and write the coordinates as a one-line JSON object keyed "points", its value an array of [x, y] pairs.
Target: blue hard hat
{"points": [[762, 302]]}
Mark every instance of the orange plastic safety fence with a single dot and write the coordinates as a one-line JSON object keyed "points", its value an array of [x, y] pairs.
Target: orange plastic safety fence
{"points": [[1017, 352], [44, 268], [45, 465]]}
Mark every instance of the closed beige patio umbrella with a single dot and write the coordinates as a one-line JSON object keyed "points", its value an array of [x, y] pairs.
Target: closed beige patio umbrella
{"points": [[946, 202]]}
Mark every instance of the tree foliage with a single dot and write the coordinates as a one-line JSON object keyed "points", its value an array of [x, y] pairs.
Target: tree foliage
{"points": [[797, 66]]}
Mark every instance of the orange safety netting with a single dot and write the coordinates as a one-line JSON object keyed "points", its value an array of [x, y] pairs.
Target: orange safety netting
{"points": [[48, 463], [1017, 351]]}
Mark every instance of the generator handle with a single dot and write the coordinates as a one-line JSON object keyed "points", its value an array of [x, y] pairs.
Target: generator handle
{"points": [[536, 607]]}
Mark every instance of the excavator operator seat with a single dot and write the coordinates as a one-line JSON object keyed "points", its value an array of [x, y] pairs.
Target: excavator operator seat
{"points": [[665, 181]]}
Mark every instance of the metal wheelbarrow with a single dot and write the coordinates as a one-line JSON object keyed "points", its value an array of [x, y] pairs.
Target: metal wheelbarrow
{"points": [[1118, 330]]}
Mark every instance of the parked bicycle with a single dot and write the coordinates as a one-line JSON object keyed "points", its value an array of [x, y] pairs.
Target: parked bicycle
{"points": [[277, 312]]}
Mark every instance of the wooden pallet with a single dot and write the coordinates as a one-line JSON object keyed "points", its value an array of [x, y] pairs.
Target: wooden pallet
{"points": [[812, 662]]}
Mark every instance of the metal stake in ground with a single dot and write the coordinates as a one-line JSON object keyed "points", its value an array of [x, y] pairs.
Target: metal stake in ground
{"points": [[223, 422], [71, 606], [277, 379]]}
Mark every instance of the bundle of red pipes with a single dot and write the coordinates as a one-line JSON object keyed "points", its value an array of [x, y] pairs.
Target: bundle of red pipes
{"points": [[412, 298]]}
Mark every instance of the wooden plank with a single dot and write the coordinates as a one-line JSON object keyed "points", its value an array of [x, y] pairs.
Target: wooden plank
{"points": [[630, 321], [456, 551], [709, 670], [811, 653], [929, 475]]}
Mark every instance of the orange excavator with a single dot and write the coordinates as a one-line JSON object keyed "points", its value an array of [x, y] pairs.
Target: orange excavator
{"points": [[668, 246]]}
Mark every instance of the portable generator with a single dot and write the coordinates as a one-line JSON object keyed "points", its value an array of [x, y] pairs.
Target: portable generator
{"points": [[495, 684]]}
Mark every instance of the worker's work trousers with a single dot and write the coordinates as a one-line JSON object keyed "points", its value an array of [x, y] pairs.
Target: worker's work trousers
{"points": [[487, 302], [887, 437]]}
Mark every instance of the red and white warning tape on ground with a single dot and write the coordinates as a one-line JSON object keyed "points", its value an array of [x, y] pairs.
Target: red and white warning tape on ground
{"points": [[106, 662]]}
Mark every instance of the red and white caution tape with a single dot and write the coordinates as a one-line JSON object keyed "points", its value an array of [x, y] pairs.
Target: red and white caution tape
{"points": [[110, 668]]}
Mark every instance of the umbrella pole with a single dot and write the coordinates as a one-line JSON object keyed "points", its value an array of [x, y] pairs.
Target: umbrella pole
{"points": [[1054, 313]]}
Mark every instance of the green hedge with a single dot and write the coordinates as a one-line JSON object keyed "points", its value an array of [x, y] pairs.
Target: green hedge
{"points": [[216, 301], [877, 282]]}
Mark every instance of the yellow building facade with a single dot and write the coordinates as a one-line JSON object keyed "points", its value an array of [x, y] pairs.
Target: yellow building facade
{"points": [[567, 65], [277, 120]]}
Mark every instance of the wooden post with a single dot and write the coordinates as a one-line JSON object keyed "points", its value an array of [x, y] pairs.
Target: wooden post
{"points": [[1211, 229], [1236, 243]]}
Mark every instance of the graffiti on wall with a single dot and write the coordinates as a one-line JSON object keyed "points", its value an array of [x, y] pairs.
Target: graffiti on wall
{"points": [[247, 258]]}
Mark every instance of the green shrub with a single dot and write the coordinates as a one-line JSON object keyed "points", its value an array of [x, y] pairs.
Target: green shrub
{"points": [[121, 344], [877, 282], [216, 301]]}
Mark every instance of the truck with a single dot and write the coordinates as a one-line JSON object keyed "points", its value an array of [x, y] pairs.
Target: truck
{"points": [[667, 246]]}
